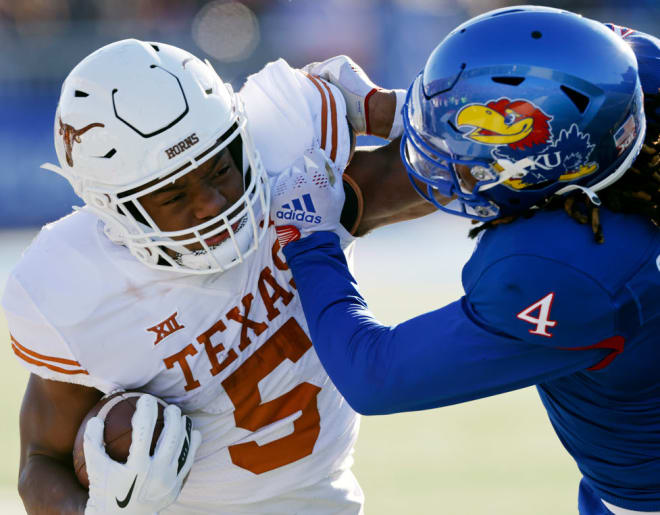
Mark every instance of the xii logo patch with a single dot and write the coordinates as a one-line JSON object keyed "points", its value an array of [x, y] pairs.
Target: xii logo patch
{"points": [[165, 328]]}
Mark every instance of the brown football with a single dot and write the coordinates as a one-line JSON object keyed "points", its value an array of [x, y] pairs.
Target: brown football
{"points": [[116, 410]]}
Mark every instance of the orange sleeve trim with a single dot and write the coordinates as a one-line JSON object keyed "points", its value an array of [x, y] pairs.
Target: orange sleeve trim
{"points": [[333, 113], [38, 363], [42, 356], [324, 110]]}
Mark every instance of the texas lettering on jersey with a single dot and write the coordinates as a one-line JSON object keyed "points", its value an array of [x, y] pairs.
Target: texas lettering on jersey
{"points": [[236, 315], [288, 342]]}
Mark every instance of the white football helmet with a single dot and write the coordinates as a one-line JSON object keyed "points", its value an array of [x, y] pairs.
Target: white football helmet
{"points": [[135, 116]]}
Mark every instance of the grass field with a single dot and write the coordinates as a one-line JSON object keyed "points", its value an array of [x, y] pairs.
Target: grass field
{"points": [[492, 456]]}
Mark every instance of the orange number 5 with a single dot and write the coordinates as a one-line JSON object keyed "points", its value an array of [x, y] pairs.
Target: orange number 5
{"points": [[242, 387]]}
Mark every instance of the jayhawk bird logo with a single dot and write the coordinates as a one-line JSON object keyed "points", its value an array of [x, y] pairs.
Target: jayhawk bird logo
{"points": [[518, 129], [518, 123]]}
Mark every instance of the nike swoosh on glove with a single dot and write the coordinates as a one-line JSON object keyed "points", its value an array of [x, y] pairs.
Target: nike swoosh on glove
{"points": [[307, 197], [145, 484]]}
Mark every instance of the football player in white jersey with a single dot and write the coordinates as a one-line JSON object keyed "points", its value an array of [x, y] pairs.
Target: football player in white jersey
{"points": [[170, 281]]}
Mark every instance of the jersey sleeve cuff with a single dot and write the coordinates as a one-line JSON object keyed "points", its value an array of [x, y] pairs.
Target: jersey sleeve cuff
{"points": [[325, 240]]}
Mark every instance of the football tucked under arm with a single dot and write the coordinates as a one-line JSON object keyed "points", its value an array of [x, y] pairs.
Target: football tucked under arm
{"points": [[145, 483]]}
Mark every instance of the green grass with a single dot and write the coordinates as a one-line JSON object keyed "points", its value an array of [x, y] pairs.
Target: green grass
{"points": [[495, 455], [13, 378]]}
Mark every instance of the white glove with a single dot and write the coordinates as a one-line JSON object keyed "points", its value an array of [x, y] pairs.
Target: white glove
{"points": [[355, 86], [307, 197], [144, 484]]}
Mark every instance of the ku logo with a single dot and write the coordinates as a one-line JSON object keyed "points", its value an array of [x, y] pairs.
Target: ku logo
{"points": [[72, 135], [517, 130]]}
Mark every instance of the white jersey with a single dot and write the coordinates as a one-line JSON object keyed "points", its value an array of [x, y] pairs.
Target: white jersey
{"points": [[231, 349]]}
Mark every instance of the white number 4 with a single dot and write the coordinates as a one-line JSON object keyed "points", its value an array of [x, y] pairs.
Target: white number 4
{"points": [[542, 322]]}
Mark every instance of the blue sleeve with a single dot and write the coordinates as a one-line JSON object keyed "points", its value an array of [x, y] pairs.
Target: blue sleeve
{"points": [[443, 357], [543, 301]]}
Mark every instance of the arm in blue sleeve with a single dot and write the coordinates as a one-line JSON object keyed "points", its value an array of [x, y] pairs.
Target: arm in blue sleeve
{"points": [[439, 358]]}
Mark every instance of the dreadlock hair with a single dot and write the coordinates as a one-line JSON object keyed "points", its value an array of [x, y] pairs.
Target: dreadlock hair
{"points": [[638, 191]]}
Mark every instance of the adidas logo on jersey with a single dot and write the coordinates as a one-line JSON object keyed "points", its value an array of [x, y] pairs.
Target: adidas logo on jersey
{"points": [[295, 211]]}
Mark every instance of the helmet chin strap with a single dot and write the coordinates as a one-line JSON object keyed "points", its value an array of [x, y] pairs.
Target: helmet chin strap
{"points": [[593, 196], [517, 170], [508, 170]]}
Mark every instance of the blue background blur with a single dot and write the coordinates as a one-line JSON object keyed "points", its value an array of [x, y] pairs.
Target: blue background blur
{"points": [[42, 40]]}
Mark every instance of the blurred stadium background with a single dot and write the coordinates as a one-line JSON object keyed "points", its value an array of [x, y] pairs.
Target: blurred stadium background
{"points": [[494, 456]]}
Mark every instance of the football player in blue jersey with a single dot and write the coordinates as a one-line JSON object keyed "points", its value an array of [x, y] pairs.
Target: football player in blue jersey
{"points": [[527, 120]]}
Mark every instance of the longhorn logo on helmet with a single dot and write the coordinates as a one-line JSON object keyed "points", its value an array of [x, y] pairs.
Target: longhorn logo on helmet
{"points": [[72, 135]]}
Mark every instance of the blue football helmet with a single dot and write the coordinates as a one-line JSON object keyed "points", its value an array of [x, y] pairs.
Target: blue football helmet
{"points": [[533, 101]]}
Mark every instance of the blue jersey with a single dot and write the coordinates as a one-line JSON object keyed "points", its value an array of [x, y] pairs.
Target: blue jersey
{"points": [[544, 305]]}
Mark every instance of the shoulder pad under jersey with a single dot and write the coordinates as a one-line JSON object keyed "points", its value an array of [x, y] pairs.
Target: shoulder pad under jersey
{"points": [[290, 112], [542, 301]]}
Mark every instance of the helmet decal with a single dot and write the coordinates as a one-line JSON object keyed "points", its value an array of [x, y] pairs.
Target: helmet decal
{"points": [[516, 123], [626, 135], [518, 129], [71, 135], [182, 146], [566, 158]]}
